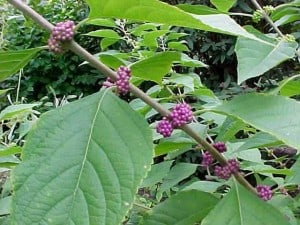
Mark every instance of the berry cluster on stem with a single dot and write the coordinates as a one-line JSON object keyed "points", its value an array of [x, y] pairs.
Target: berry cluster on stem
{"points": [[264, 192], [180, 115], [122, 81], [62, 32]]}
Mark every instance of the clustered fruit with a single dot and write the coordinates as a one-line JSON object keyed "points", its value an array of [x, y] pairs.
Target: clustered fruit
{"points": [[180, 115], [264, 192], [225, 172], [222, 172], [62, 32], [207, 158], [122, 81]]}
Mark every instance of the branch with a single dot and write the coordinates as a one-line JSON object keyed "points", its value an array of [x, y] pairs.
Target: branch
{"points": [[77, 49], [267, 18]]}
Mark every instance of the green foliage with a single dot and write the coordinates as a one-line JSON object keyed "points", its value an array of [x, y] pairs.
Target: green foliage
{"points": [[100, 177], [88, 162], [196, 204], [241, 207]]}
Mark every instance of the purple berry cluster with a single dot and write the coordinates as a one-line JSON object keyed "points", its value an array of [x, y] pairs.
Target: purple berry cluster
{"points": [[63, 31], [225, 172], [207, 158], [220, 146], [164, 127], [122, 82], [180, 115], [264, 192]]}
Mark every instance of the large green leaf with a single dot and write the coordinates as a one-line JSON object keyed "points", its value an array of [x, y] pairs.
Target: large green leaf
{"points": [[12, 62], [276, 115], [82, 164], [223, 5], [240, 207], [184, 208], [294, 178], [198, 9], [155, 67], [5, 206], [256, 58], [158, 12]]}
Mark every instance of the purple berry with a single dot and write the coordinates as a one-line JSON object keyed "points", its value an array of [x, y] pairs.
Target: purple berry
{"points": [[233, 165], [220, 146], [122, 82], [264, 192], [207, 159], [63, 31], [181, 114], [164, 127], [222, 172]]}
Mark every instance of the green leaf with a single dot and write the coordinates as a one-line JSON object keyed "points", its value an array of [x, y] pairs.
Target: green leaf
{"points": [[150, 38], [206, 186], [198, 9], [177, 173], [229, 128], [104, 33], [10, 151], [96, 151], [260, 140], [169, 145], [157, 173], [272, 114], [106, 42], [102, 22], [155, 67], [111, 60], [240, 207], [16, 110], [184, 208], [12, 62], [294, 178], [3, 91], [177, 46], [223, 5], [255, 58], [159, 12], [189, 62], [5, 206], [288, 87]]}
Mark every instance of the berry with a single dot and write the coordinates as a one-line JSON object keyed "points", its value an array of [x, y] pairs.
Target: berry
{"points": [[233, 165], [207, 159], [122, 82], [108, 82], [220, 146], [181, 114], [224, 172], [63, 31], [164, 127], [264, 192]]}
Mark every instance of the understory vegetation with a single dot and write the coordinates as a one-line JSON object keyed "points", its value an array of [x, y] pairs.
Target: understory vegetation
{"points": [[149, 112]]}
